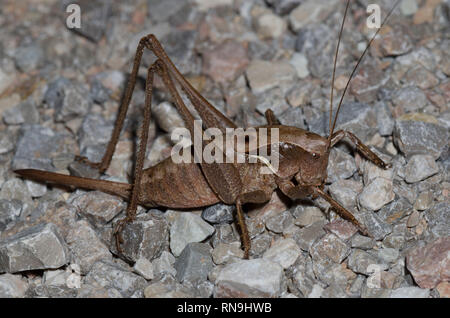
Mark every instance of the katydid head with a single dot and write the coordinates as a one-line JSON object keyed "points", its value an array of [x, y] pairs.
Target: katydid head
{"points": [[313, 168]]}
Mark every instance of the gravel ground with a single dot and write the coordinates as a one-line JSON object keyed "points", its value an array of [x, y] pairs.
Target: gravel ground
{"points": [[59, 94]]}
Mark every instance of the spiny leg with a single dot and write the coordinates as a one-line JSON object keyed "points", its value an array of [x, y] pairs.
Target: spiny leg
{"points": [[344, 213], [244, 231], [136, 187], [106, 160], [369, 154], [210, 115], [270, 117]]}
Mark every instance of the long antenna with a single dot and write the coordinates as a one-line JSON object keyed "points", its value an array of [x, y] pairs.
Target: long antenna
{"points": [[335, 61], [356, 67]]}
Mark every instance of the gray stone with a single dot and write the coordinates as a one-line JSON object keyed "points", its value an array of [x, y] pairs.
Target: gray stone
{"points": [[410, 99], [146, 237], [94, 131], [6, 142], [362, 242], [109, 276], [29, 57], [306, 236], [358, 118], [293, 116], [279, 222], [311, 12], [225, 253], [188, 228], [307, 215], [410, 292], [377, 194], [408, 7], [264, 75], [377, 228], [12, 286], [36, 189], [250, 278], [95, 17], [331, 247], [269, 26], [417, 137], [144, 268], [372, 171], [179, 46], [164, 265], [419, 168], [100, 208], [162, 10], [300, 63], [388, 255], [38, 247], [164, 290], [423, 201], [37, 145], [9, 212], [303, 275], [395, 211], [362, 262], [194, 263], [346, 192], [224, 234], [340, 165], [385, 120], [15, 189], [69, 100], [317, 42], [284, 252], [272, 99], [283, 7], [167, 117], [25, 112], [218, 213], [438, 219], [260, 244], [86, 246], [334, 291]]}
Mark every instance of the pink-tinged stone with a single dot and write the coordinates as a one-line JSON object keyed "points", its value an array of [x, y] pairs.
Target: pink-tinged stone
{"points": [[226, 61], [430, 264], [444, 289], [341, 228]]}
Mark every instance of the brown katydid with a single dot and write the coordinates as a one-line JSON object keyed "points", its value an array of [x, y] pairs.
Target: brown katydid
{"points": [[303, 156]]}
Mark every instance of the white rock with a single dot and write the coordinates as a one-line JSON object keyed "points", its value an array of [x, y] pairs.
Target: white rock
{"points": [[310, 12], [36, 189], [270, 26], [205, 5], [144, 268], [264, 75], [11, 286], [283, 251], [408, 7], [377, 194], [420, 167], [300, 63], [410, 292], [187, 228], [250, 278]]}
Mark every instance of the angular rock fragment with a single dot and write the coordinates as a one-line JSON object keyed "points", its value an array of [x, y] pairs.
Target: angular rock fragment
{"points": [[38, 247], [250, 278]]}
